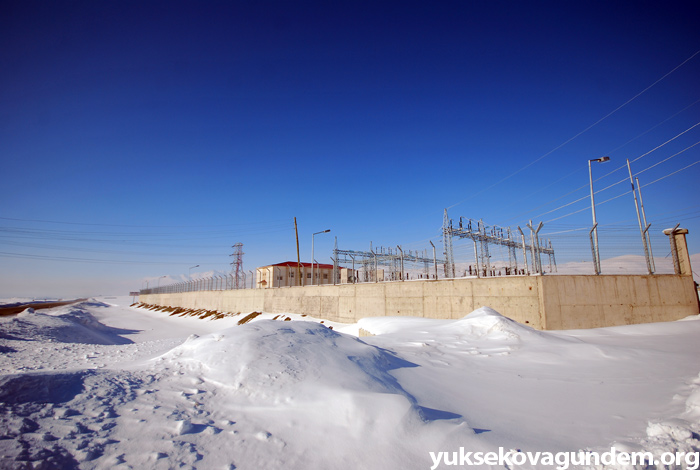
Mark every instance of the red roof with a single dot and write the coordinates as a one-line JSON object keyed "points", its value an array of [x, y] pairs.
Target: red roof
{"points": [[293, 264]]}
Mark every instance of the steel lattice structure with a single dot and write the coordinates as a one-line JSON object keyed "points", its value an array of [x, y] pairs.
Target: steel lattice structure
{"points": [[483, 235], [237, 266], [392, 262]]}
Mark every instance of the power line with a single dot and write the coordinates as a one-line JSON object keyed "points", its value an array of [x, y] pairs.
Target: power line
{"points": [[580, 133], [671, 174], [607, 174], [668, 141], [114, 252], [624, 179], [625, 193], [4, 254], [26, 232], [131, 225], [651, 128], [667, 159], [669, 216], [647, 153]]}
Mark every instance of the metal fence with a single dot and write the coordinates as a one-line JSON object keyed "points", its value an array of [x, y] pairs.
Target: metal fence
{"points": [[214, 283]]}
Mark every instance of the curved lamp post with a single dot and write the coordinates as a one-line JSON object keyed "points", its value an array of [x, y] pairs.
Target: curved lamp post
{"points": [[189, 272], [313, 279]]}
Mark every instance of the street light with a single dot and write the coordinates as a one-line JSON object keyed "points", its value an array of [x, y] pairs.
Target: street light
{"points": [[594, 230], [313, 279], [189, 273], [159, 280]]}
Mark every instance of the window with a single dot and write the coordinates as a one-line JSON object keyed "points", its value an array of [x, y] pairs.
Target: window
{"points": [[308, 275], [325, 276]]}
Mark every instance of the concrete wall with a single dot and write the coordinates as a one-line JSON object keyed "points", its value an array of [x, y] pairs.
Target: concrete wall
{"points": [[544, 302], [596, 301]]}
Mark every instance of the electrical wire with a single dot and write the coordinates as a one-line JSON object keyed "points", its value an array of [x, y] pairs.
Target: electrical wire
{"points": [[106, 251], [126, 237], [4, 254], [137, 226], [625, 193], [671, 174], [605, 175], [624, 179], [667, 159], [651, 128], [668, 141], [580, 133]]}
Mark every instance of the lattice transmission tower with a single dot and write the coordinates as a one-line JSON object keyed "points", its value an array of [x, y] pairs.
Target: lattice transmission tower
{"points": [[447, 242], [237, 266]]}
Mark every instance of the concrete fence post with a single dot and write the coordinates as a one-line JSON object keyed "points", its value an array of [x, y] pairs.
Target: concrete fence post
{"points": [[679, 250]]}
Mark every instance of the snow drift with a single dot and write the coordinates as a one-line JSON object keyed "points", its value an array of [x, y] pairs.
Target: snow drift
{"points": [[99, 386], [71, 324]]}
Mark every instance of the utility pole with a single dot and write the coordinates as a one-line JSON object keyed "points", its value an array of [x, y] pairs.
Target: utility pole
{"points": [[646, 225], [642, 231], [298, 258]]}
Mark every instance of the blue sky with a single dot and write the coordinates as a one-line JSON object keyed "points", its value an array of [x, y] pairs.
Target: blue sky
{"points": [[138, 139]]}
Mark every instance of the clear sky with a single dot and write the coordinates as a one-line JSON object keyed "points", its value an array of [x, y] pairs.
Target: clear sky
{"points": [[140, 138]]}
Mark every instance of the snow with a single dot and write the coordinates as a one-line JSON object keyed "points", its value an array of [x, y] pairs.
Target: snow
{"points": [[627, 264], [100, 384]]}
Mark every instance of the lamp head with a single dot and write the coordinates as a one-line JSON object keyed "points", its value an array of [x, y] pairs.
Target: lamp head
{"points": [[603, 159]]}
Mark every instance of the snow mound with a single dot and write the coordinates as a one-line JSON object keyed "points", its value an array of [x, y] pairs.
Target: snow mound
{"points": [[483, 322], [301, 364], [677, 436], [261, 357], [26, 312], [72, 324], [486, 325], [486, 322], [680, 435]]}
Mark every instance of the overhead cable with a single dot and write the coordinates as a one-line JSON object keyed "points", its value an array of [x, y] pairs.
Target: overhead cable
{"points": [[607, 174], [580, 133], [624, 179]]}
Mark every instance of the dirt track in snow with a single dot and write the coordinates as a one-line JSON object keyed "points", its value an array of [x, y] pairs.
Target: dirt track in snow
{"points": [[15, 309]]}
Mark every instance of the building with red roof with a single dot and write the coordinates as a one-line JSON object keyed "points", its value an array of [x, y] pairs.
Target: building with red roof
{"points": [[291, 273]]}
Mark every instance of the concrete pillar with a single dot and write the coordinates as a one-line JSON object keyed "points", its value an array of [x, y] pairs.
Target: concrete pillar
{"points": [[679, 250]]}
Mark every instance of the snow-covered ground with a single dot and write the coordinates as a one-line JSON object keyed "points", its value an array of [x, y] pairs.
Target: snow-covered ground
{"points": [[103, 385]]}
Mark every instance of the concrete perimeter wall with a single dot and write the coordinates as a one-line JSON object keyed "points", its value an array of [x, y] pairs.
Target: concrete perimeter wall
{"points": [[550, 302], [595, 301]]}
